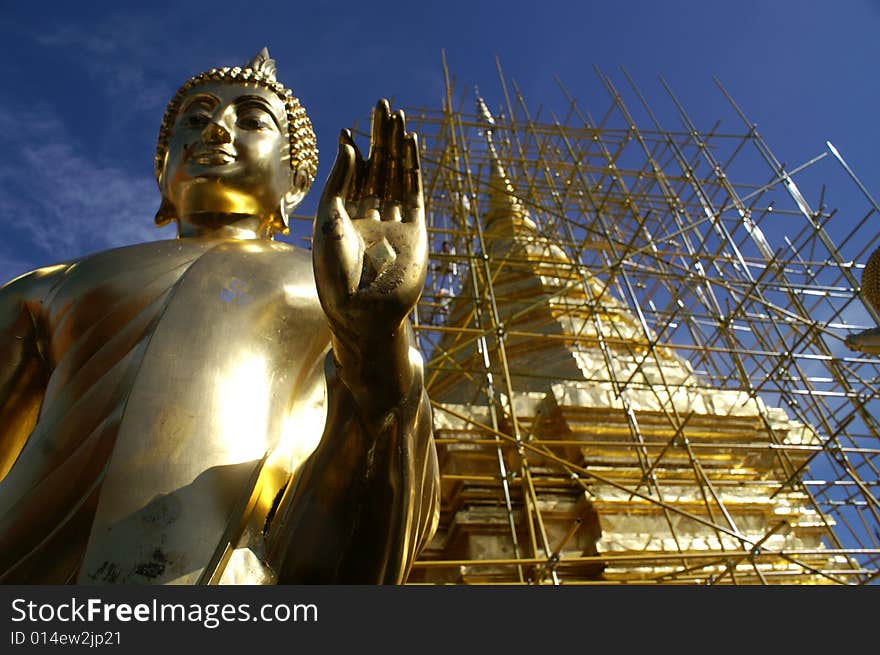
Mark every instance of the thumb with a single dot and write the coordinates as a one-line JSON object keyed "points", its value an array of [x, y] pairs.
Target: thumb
{"points": [[337, 249], [342, 172]]}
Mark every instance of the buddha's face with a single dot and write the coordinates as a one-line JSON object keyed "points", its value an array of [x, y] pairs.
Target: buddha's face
{"points": [[227, 155]]}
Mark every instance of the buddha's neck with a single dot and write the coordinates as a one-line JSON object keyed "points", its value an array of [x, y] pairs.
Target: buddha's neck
{"points": [[221, 226]]}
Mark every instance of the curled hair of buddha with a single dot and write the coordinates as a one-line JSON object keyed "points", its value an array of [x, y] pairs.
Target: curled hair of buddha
{"points": [[259, 72]]}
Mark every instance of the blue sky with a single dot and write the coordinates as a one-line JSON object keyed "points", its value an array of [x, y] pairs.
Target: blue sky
{"points": [[85, 85]]}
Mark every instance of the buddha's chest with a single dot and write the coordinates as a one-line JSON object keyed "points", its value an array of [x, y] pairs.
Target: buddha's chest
{"points": [[219, 352], [238, 296]]}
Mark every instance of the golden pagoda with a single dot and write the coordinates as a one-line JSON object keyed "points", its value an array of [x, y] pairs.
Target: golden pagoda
{"points": [[617, 361]]}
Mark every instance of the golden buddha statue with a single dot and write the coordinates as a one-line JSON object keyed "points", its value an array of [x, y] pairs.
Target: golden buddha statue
{"points": [[868, 341], [223, 407]]}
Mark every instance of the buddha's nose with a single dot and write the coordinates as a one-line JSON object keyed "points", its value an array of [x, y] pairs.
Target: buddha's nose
{"points": [[215, 133]]}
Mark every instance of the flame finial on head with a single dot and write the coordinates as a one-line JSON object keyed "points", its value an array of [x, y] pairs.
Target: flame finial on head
{"points": [[264, 64]]}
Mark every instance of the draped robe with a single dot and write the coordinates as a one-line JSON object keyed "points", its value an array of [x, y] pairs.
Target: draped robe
{"points": [[160, 402]]}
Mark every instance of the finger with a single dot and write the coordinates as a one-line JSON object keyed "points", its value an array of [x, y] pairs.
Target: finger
{"points": [[412, 180], [341, 174], [394, 177], [364, 201], [346, 137], [378, 146], [368, 208], [332, 226], [357, 180], [337, 252]]}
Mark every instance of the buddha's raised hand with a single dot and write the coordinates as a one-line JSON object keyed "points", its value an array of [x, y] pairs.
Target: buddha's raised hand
{"points": [[369, 243]]}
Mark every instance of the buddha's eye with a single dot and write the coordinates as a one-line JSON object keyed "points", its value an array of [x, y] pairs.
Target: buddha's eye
{"points": [[196, 119], [254, 119]]}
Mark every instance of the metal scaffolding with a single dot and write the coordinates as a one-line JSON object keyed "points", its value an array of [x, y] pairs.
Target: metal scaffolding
{"points": [[635, 341]]}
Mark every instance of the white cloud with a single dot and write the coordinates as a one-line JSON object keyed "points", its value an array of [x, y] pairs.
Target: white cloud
{"points": [[57, 204], [115, 54]]}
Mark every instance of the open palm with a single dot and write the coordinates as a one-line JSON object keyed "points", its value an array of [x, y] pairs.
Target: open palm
{"points": [[369, 241]]}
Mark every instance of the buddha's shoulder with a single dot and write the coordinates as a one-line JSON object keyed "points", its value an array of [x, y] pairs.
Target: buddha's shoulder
{"points": [[192, 249], [167, 258], [34, 285], [260, 256]]}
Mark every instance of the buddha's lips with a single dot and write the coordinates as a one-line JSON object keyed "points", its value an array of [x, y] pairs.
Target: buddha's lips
{"points": [[213, 156]]}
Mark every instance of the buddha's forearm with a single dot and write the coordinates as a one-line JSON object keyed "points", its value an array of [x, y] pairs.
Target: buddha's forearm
{"points": [[379, 370], [394, 502], [367, 499]]}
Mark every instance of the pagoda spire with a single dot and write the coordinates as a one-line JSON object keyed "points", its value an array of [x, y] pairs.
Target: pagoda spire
{"points": [[506, 216]]}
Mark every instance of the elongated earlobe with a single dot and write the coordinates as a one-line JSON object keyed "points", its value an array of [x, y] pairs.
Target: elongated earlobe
{"points": [[277, 222], [166, 214], [300, 181]]}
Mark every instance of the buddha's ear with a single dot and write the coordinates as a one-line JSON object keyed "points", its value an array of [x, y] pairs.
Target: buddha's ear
{"points": [[166, 213], [300, 181]]}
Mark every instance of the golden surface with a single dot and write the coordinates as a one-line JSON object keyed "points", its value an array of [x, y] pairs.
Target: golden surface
{"points": [[582, 438], [204, 410]]}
